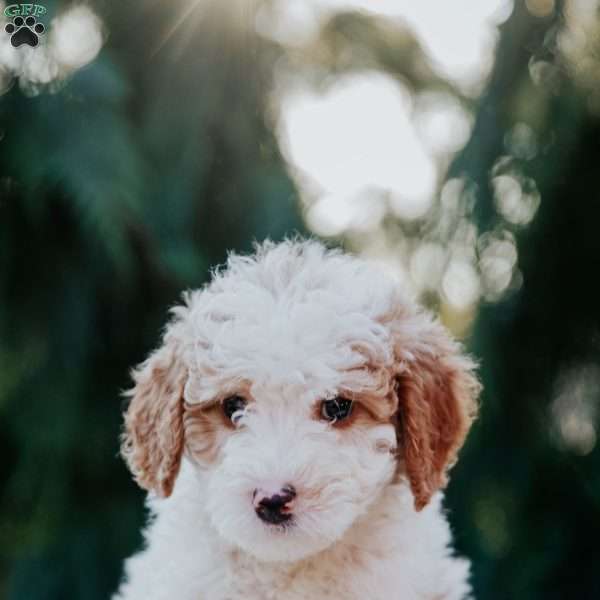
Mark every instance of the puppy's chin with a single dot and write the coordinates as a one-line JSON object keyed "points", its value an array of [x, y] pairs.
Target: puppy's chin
{"points": [[289, 543], [306, 534]]}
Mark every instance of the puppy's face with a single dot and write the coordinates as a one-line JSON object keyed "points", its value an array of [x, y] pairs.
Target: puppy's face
{"points": [[300, 384], [289, 468]]}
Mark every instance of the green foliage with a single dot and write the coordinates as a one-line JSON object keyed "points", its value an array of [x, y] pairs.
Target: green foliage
{"points": [[527, 505]]}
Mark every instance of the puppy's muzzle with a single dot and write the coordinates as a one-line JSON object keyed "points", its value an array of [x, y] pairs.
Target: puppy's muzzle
{"points": [[274, 509]]}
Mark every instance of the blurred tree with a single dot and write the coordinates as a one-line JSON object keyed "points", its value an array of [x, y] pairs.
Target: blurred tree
{"points": [[116, 193], [526, 495]]}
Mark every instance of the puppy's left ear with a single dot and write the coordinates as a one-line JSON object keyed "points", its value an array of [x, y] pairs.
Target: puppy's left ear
{"points": [[437, 401], [152, 443]]}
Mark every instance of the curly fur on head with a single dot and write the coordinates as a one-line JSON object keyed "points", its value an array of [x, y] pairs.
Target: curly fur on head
{"points": [[286, 328]]}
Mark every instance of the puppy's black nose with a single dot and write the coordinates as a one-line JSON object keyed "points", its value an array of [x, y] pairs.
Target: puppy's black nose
{"points": [[274, 508]]}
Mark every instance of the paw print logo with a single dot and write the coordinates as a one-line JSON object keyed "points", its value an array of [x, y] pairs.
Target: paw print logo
{"points": [[24, 31]]}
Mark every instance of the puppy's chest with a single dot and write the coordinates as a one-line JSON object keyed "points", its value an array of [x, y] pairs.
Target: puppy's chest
{"points": [[246, 580]]}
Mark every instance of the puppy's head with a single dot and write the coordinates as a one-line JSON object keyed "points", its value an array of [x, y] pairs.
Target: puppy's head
{"points": [[299, 383]]}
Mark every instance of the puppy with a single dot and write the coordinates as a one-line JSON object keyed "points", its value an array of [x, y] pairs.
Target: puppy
{"points": [[294, 431]]}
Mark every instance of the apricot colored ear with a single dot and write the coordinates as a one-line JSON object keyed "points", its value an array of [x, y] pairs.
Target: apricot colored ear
{"points": [[437, 401], [152, 442]]}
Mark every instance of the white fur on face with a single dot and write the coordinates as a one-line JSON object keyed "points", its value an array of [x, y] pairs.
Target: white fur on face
{"points": [[337, 474], [287, 331]]}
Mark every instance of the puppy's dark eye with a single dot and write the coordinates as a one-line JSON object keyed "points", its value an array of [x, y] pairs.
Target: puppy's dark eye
{"points": [[233, 407], [336, 409]]}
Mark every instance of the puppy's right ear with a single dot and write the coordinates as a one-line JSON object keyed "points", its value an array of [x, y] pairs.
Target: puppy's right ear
{"points": [[152, 442]]}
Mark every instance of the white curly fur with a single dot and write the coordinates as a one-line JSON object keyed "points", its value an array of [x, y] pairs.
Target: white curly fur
{"points": [[287, 327]]}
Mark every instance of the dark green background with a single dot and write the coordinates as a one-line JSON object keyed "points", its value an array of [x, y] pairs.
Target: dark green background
{"points": [[122, 188]]}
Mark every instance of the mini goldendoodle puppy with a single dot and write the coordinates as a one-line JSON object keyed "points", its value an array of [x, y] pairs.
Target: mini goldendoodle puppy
{"points": [[294, 430]]}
